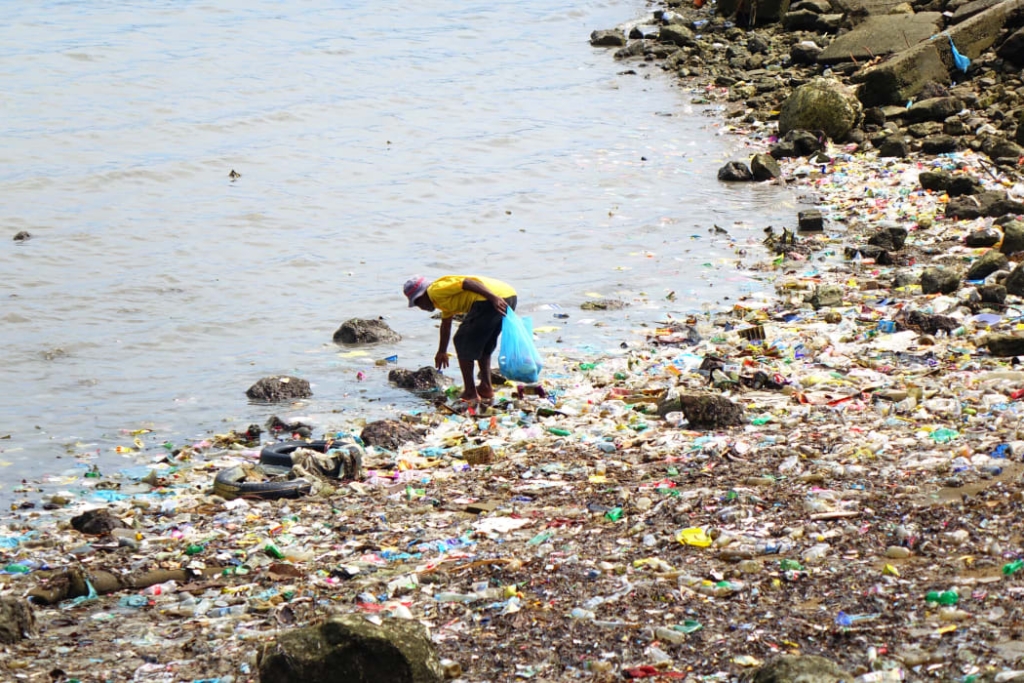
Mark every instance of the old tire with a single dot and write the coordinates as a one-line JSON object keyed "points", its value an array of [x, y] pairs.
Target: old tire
{"points": [[280, 454], [231, 483]]}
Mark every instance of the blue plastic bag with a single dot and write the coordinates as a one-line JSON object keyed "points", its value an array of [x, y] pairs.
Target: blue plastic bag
{"points": [[518, 359]]}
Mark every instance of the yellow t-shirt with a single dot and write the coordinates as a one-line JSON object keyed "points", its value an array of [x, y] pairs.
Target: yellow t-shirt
{"points": [[450, 298]]}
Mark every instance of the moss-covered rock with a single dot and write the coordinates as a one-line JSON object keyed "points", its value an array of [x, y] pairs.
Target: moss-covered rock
{"points": [[822, 104]]}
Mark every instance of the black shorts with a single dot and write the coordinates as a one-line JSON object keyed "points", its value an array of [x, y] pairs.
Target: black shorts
{"points": [[477, 335]]}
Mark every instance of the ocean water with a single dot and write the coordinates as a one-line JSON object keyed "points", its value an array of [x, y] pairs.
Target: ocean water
{"points": [[372, 143]]}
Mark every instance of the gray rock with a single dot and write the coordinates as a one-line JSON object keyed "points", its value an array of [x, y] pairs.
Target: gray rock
{"points": [[1005, 345], [767, 10], [758, 44], [904, 278], [810, 220], [22, 236], [801, 20], [735, 171], [98, 522], [969, 9], [882, 35], [934, 109], [891, 239], [990, 262], [894, 146], [389, 434], [1013, 237], [805, 53], [870, 251], [678, 35], [765, 167], [279, 388], [992, 294], [996, 147], [939, 144], [1014, 282], [939, 281], [796, 143], [822, 104], [954, 126], [985, 237], [361, 331], [962, 184], [989, 203], [425, 379], [710, 411], [1012, 49], [801, 669], [937, 181], [826, 296], [608, 38], [924, 129], [349, 648], [17, 620]]}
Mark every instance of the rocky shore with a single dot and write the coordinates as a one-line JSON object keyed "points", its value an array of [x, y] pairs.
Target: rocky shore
{"points": [[821, 485]]}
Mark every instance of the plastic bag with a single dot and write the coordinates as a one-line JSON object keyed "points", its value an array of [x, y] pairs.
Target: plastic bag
{"points": [[518, 358]]}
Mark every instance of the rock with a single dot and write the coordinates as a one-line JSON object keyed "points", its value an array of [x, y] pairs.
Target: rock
{"points": [[939, 281], [996, 148], [969, 9], [881, 36], [990, 262], [22, 236], [870, 251], [757, 44], [280, 388], [1005, 345], [983, 238], [360, 331], [710, 411], [603, 305], [894, 146], [826, 296], [904, 278], [99, 522], [1013, 237], [822, 104], [424, 379], [608, 38], [1012, 49], [937, 181], [389, 434], [804, 53], [954, 126], [767, 11], [796, 143], [765, 167], [810, 220], [939, 144], [678, 35], [1014, 283], [890, 239], [934, 109], [992, 294], [924, 129], [735, 171], [989, 203], [801, 20], [927, 323], [801, 669], [17, 620], [962, 184], [816, 6], [349, 648]]}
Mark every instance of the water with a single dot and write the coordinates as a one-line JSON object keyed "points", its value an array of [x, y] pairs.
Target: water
{"points": [[373, 143]]}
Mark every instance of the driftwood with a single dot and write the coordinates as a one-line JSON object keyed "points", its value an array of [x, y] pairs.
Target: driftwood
{"points": [[73, 582]]}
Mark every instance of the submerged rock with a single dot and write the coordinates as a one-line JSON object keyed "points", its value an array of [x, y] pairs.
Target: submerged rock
{"points": [[361, 331], [279, 388], [424, 379], [96, 522]]}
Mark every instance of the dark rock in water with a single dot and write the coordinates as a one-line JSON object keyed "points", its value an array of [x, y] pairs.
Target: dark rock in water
{"points": [[1005, 345], [1014, 282], [765, 167], [992, 294], [22, 236], [280, 388], [349, 648], [677, 34], [934, 109], [825, 296], [891, 238], [801, 669], [822, 104], [939, 144], [608, 38], [389, 434], [1012, 49], [939, 281], [961, 184], [904, 278], [990, 262], [926, 323], [17, 620], [810, 220], [937, 181], [894, 146], [986, 237], [1013, 237], [97, 522], [276, 425], [424, 379], [990, 203], [360, 331], [710, 411], [603, 305], [735, 171]]}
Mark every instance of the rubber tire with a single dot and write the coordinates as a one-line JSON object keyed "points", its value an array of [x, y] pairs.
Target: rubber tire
{"points": [[230, 483], [280, 454]]}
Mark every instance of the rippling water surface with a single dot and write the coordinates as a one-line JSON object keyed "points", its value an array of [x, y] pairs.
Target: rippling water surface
{"points": [[373, 143]]}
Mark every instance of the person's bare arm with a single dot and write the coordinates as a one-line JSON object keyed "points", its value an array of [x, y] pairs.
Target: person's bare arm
{"points": [[441, 359], [477, 287]]}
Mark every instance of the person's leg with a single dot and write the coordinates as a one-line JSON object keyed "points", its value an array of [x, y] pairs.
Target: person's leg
{"points": [[469, 392], [485, 390]]}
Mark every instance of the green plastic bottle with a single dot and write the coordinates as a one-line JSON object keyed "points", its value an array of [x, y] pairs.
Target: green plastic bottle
{"points": [[943, 598]]}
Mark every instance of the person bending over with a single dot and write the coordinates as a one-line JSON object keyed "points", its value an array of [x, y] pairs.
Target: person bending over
{"points": [[483, 302]]}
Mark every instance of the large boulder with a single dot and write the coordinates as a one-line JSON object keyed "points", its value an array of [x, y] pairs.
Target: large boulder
{"points": [[939, 281], [678, 35], [349, 648], [608, 38], [361, 331], [279, 388], [1015, 281], [822, 104], [389, 434], [800, 669], [17, 619], [1012, 49], [765, 167], [882, 35], [735, 171], [934, 109]]}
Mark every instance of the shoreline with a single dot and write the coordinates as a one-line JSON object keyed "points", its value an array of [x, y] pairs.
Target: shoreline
{"points": [[861, 476]]}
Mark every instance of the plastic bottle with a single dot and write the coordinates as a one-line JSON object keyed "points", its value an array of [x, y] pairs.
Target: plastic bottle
{"points": [[161, 588], [669, 636], [580, 613], [943, 598], [445, 596], [1011, 568]]}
